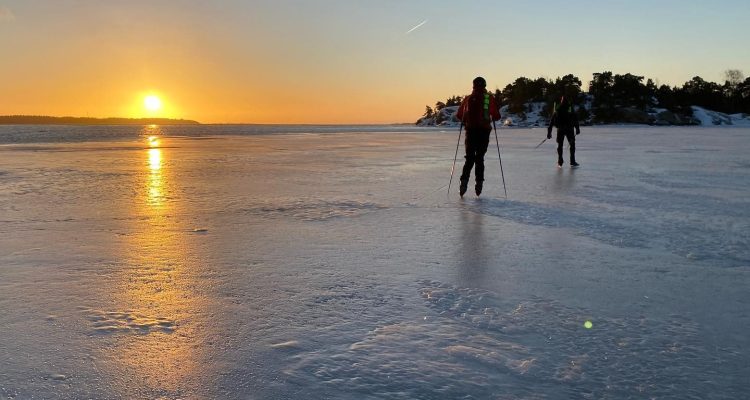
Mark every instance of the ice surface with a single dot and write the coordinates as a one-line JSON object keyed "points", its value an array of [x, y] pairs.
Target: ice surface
{"points": [[472, 342], [326, 262]]}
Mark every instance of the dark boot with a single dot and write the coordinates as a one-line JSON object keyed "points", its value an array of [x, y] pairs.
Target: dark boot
{"points": [[463, 187], [573, 162], [478, 188]]}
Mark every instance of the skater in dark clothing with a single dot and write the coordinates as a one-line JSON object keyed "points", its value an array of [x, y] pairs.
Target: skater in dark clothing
{"points": [[565, 119], [476, 113]]}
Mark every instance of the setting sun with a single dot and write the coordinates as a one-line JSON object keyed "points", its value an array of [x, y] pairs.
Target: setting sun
{"points": [[152, 103]]}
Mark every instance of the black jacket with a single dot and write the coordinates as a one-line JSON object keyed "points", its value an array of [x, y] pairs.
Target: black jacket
{"points": [[565, 119]]}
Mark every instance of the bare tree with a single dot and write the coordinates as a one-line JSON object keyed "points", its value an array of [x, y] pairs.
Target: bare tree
{"points": [[734, 77]]}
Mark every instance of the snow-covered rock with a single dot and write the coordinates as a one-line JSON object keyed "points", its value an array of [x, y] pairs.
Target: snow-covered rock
{"points": [[446, 116], [533, 117], [710, 118]]}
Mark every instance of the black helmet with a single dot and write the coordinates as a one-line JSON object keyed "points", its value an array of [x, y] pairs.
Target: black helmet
{"points": [[479, 82]]}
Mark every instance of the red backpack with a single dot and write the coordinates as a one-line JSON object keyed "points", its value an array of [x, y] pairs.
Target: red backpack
{"points": [[477, 113]]}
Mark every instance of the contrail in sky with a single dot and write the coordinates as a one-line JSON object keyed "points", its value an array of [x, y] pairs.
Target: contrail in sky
{"points": [[415, 28]]}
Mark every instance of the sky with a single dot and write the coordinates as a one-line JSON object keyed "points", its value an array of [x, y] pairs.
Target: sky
{"points": [[339, 61]]}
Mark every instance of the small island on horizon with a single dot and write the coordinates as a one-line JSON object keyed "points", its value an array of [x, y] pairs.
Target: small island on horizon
{"points": [[48, 120]]}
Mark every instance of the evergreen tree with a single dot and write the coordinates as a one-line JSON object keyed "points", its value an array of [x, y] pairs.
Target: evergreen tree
{"points": [[742, 94], [630, 91], [732, 94], [568, 86], [453, 101], [600, 88], [665, 97], [651, 93], [498, 95], [704, 94]]}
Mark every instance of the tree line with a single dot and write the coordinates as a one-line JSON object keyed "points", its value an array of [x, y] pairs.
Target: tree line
{"points": [[607, 93]]}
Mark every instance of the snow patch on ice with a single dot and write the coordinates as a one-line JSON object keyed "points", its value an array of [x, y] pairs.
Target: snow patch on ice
{"points": [[312, 209], [291, 344], [112, 322], [473, 341]]}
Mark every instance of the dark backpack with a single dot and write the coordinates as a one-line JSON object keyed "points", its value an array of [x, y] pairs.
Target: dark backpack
{"points": [[477, 113]]}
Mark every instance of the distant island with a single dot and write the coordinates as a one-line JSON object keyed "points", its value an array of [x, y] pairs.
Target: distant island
{"points": [[47, 120], [614, 99]]}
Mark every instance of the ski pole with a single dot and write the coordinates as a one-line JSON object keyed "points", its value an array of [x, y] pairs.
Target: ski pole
{"points": [[501, 160], [455, 157], [554, 109]]}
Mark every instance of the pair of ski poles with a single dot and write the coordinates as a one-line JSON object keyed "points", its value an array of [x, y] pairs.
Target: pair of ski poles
{"points": [[453, 168]]}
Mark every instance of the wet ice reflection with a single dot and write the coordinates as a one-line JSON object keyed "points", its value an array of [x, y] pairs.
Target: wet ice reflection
{"points": [[156, 304], [155, 194]]}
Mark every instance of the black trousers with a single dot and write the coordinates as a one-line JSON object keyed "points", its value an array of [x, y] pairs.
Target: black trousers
{"points": [[476, 144], [563, 134]]}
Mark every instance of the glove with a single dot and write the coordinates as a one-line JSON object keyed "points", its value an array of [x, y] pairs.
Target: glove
{"points": [[578, 132], [549, 134]]}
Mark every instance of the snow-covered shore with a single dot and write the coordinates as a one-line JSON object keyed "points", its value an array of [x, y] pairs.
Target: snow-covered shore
{"points": [[533, 117]]}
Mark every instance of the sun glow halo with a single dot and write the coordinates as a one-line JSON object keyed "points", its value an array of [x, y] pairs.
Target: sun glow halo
{"points": [[152, 103]]}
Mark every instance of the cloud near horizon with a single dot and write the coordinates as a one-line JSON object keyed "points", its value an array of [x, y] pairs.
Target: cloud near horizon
{"points": [[6, 14]]}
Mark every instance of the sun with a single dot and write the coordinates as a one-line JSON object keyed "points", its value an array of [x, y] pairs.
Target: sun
{"points": [[152, 103]]}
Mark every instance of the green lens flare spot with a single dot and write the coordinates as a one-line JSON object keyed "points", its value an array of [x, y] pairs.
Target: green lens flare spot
{"points": [[588, 325]]}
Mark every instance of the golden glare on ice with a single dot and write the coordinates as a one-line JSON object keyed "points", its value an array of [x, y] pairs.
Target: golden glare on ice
{"points": [[155, 195], [154, 159], [157, 343], [153, 141]]}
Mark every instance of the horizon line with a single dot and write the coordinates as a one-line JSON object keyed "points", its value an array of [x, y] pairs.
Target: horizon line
{"points": [[165, 119]]}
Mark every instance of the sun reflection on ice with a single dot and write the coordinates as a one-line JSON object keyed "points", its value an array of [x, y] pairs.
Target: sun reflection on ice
{"points": [[155, 196], [154, 159], [157, 306]]}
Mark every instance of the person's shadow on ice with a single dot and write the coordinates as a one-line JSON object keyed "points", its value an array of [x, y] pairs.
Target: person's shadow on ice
{"points": [[473, 250]]}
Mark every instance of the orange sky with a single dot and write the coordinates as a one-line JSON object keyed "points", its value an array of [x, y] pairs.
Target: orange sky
{"points": [[102, 60], [293, 61]]}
